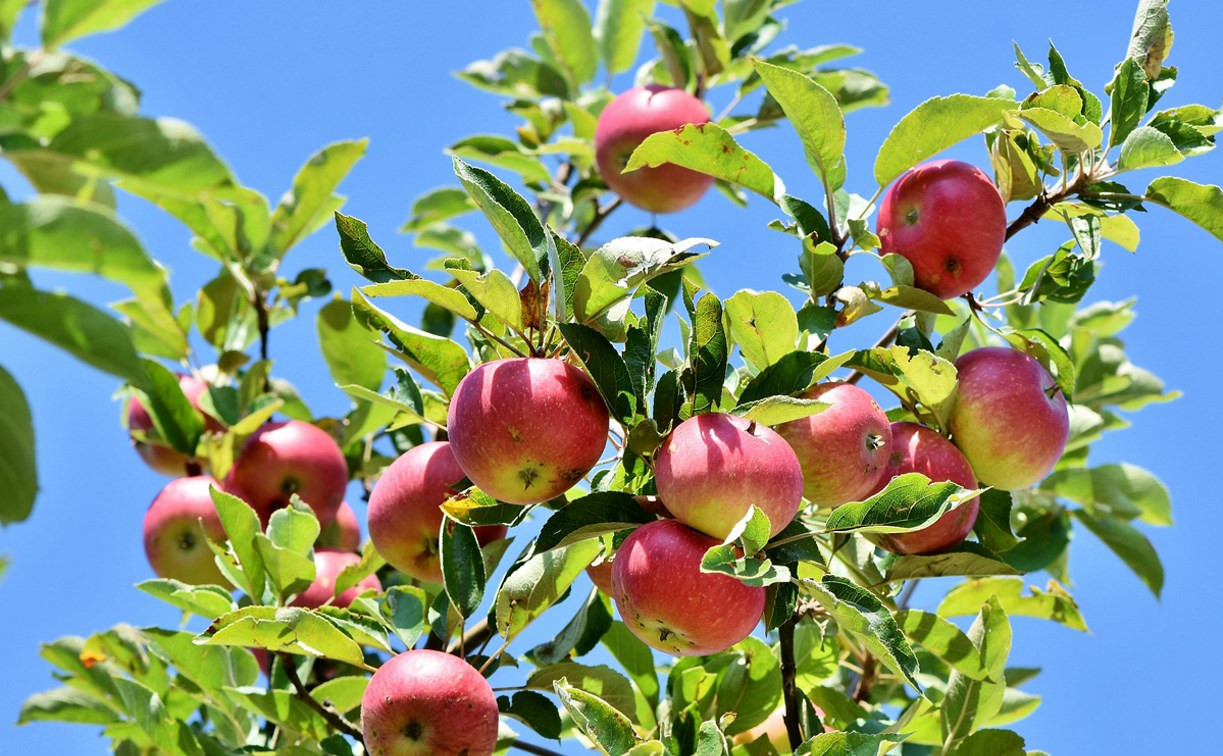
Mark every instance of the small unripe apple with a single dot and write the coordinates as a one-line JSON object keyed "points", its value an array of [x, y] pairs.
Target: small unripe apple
{"points": [[948, 219], [405, 510], [625, 123], [714, 467], [327, 564], [844, 449], [526, 430], [428, 702], [916, 448], [344, 532], [157, 455], [774, 728], [667, 602], [173, 539], [1009, 417], [293, 457]]}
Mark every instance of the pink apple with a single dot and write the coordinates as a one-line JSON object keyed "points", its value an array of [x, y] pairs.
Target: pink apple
{"points": [[948, 219], [625, 123], [714, 467], [428, 703], [916, 448], [405, 510], [667, 602], [844, 449], [600, 575], [327, 564], [154, 452], [344, 532], [173, 539], [526, 430], [1009, 418], [286, 458]]}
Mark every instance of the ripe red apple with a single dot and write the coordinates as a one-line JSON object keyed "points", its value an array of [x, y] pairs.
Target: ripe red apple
{"points": [[173, 540], [1009, 417], [293, 457], [425, 702], [157, 455], [844, 449], [344, 532], [405, 513], [625, 123], [526, 430], [665, 599], [714, 467], [327, 564], [916, 448], [948, 219]]}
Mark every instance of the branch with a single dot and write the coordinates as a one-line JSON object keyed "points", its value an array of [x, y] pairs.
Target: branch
{"points": [[884, 340], [478, 633], [600, 216], [789, 690], [339, 723], [520, 745], [261, 315], [863, 689]]}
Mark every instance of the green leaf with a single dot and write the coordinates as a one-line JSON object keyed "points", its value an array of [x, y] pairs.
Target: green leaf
{"points": [[991, 743], [342, 693], [495, 292], [641, 344], [1151, 38], [352, 356], [763, 324], [933, 126], [517, 74], [860, 612], [310, 201], [1129, 100], [534, 710], [591, 516], [210, 667], [944, 640], [674, 53], [775, 410], [462, 567], [371, 561], [609, 730], [1200, 203], [286, 548], [511, 217], [848, 744], [967, 560], [636, 659], [605, 366], [1123, 490], [65, 20], [443, 296], [67, 705], [708, 148], [292, 630], [921, 376], [708, 351], [504, 153], [474, 507], [208, 601], [970, 702], [437, 359], [566, 27], [579, 636], [405, 609], [618, 27], [362, 254], [535, 585], [615, 270], [1054, 603], [909, 502], [609, 685], [1064, 132], [566, 267], [815, 115], [241, 526], [1131, 545], [1148, 147], [436, 206], [176, 420], [793, 373]]}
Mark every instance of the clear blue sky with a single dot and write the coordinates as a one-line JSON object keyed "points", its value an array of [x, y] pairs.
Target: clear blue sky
{"points": [[270, 82]]}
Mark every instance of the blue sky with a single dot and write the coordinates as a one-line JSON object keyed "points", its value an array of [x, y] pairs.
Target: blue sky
{"points": [[270, 82]]}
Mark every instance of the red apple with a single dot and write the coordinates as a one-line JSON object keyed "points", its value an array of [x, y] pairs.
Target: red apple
{"points": [[173, 540], [405, 510], [344, 532], [526, 430], [714, 467], [667, 602], [625, 123], [948, 219], [286, 458], [155, 453], [327, 564], [600, 575], [916, 448], [1009, 418], [428, 703], [844, 449]]}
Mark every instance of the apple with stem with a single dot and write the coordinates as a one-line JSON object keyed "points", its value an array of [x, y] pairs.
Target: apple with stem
{"points": [[625, 123], [428, 702], [1009, 418], [947, 218], [667, 602], [405, 510], [328, 563], [153, 451], [293, 457], [844, 449], [526, 430], [174, 541], [714, 467]]}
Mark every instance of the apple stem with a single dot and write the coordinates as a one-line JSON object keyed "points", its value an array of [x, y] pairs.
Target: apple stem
{"points": [[327, 713]]}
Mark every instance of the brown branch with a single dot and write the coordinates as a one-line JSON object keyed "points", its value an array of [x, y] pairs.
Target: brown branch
{"points": [[600, 216], [863, 689], [477, 634], [331, 716], [533, 748], [789, 689]]}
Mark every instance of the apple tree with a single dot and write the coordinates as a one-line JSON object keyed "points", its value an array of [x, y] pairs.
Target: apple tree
{"points": [[751, 518]]}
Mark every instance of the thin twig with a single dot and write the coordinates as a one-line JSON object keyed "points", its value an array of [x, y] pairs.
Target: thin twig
{"points": [[533, 748], [327, 713], [907, 594], [476, 634], [600, 216]]}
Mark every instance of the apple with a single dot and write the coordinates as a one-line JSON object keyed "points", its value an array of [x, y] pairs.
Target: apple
{"points": [[844, 449], [916, 448], [1009, 417], [714, 467], [405, 510], [327, 564], [667, 602], [156, 454], [428, 703], [293, 457], [173, 539], [600, 575], [526, 430], [948, 219], [344, 532], [625, 123]]}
